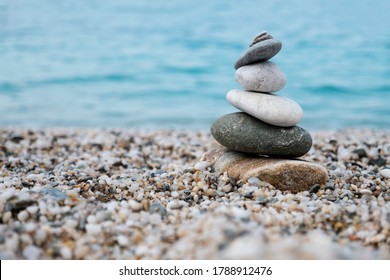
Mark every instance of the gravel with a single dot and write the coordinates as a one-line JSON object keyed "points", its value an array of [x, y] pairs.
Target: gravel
{"points": [[132, 194]]}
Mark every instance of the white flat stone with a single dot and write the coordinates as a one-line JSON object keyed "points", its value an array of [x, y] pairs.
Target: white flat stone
{"points": [[262, 77], [270, 108]]}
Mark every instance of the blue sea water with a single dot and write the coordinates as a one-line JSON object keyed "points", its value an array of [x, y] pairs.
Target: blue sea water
{"points": [[169, 64]]}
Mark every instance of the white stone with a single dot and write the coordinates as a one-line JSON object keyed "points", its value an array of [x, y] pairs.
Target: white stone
{"points": [[262, 77], [71, 224], [140, 196], [30, 227], [32, 177], [40, 235], [385, 173], [365, 191], [134, 187], [32, 209], [201, 166], [66, 253], [175, 194], [6, 217], [31, 252], [122, 240], [174, 204], [254, 181], [7, 194], [93, 229], [134, 205], [91, 219], [270, 108]]}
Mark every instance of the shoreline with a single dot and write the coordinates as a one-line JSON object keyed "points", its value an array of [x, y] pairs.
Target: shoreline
{"points": [[101, 193]]}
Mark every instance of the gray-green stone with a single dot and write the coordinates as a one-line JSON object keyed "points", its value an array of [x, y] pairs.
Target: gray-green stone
{"points": [[261, 51], [244, 133]]}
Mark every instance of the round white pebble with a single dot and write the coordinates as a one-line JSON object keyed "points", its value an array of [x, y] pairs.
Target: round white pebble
{"points": [[23, 215], [134, 187], [31, 252], [202, 165], [30, 227], [385, 173], [91, 219], [40, 235], [32, 177], [66, 253], [6, 217], [32, 209], [174, 204], [365, 191], [175, 194], [122, 240], [140, 196], [254, 181]]}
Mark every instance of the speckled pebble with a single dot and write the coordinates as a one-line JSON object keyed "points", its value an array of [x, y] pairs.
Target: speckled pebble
{"points": [[202, 165], [174, 204], [123, 240]]}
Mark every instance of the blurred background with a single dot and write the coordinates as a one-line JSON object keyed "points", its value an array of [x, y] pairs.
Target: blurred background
{"points": [[169, 64]]}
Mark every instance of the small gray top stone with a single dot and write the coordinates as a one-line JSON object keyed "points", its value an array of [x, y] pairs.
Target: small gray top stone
{"points": [[261, 37], [261, 51]]}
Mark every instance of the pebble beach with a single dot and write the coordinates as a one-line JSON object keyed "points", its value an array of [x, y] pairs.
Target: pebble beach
{"points": [[146, 194]]}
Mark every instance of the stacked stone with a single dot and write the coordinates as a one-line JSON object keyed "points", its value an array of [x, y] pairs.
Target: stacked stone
{"points": [[267, 125]]}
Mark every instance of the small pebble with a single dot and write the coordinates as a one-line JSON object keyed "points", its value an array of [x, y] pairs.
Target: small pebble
{"points": [[227, 188], [134, 205], [174, 204], [134, 187], [23, 216], [385, 173], [365, 191], [175, 194], [93, 229], [32, 252], [262, 200], [351, 209], [32, 209], [254, 181], [66, 253], [122, 240], [30, 227], [6, 217], [202, 165], [40, 235]]}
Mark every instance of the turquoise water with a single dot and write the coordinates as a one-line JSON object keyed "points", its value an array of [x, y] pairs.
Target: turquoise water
{"points": [[164, 64]]}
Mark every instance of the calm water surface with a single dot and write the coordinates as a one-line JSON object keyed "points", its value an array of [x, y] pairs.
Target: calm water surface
{"points": [[163, 64]]}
